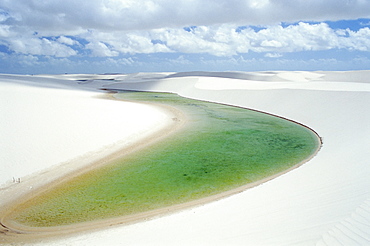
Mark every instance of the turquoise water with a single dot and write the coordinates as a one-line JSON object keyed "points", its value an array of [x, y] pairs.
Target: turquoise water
{"points": [[223, 148]]}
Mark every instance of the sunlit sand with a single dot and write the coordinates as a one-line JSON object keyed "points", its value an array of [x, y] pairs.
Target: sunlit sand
{"points": [[325, 201]]}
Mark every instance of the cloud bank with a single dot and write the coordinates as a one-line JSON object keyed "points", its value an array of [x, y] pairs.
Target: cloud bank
{"points": [[112, 28], [74, 16], [218, 40]]}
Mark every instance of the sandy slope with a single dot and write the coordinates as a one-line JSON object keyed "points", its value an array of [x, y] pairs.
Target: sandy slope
{"points": [[325, 202], [46, 127]]}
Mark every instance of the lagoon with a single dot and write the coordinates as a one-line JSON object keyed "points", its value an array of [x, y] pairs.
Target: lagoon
{"points": [[221, 148]]}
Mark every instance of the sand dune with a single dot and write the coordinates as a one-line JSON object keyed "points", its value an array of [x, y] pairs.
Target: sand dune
{"points": [[43, 127], [324, 202]]}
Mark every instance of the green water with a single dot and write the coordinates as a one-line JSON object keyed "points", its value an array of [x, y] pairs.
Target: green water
{"points": [[223, 147]]}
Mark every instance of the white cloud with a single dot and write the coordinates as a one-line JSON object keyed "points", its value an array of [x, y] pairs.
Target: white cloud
{"points": [[4, 31], [359, 40], [71, 16], [201, 40], [101, 49], [28, 60], [181, 60], [40, 46], [273, 55], [218, 40], [271, 43], [67, 41], [123, 42], [108, 28], [19, 63], [224, 40], [258, 4], [24, 41], [116, 64], [298, 37], [365, 23], [3, 16]]}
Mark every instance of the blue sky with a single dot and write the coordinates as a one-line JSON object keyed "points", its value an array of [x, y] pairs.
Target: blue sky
{"points": [[126, 36]]}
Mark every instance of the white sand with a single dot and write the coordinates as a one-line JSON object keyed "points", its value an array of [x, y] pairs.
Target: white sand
{"points": [[324, 202], [45, 127]]}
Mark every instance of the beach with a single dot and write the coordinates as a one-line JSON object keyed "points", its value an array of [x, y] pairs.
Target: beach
{"points": [[86, 129], [323, 202]]}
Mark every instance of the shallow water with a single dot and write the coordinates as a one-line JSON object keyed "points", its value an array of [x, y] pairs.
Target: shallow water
{"points": [[224, 147]]}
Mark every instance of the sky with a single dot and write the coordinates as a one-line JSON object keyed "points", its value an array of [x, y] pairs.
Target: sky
{"points": [[129, 36]]}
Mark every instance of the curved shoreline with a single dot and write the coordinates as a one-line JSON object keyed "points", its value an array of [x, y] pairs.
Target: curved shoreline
{"points": [[176, 122], [24, 233]]}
